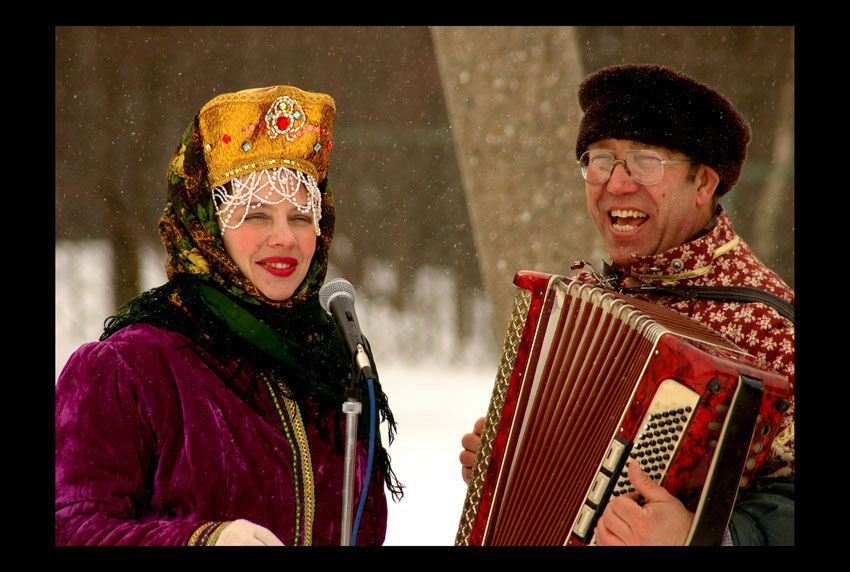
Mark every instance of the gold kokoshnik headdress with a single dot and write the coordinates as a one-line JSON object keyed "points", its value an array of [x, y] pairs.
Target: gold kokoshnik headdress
{"points": [[252, 146], [264, 128]]}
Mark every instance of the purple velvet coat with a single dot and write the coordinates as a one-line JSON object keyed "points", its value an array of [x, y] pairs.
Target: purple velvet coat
{"points": [[151, 445]]}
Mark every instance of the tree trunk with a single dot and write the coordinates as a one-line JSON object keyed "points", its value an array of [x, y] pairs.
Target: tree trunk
{"points": [[511, 99]]}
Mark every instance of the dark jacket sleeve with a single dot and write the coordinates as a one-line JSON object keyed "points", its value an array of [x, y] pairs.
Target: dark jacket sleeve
{"points": [[764, 516]]}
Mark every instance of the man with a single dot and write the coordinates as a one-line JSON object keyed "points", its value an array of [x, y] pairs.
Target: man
{"points": [[657, 150]]}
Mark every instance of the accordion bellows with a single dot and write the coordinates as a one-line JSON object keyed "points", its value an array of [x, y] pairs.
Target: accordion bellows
{"points": [[590, 379]]}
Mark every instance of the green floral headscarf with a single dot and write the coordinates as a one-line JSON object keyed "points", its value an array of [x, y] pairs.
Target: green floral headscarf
{"points": [[190, 230], [210, 301]]}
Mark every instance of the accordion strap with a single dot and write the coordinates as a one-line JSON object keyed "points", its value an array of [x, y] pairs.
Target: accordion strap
{"points": [[722, 293], [611, 276]]}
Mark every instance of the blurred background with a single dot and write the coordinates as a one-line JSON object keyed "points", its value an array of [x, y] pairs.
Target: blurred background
{"points": [[453, 167]]}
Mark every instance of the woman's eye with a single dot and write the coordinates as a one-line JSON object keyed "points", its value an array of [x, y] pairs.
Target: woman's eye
{"points": [[303, 219]]}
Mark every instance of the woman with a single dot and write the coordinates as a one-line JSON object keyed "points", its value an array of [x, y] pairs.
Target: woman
{"points": [[209, 413]]}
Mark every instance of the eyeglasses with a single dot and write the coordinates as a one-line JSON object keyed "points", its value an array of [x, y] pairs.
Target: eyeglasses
{"points": [[642, 166]]}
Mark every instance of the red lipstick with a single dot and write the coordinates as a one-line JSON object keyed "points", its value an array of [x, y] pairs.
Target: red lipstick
{"points": [[279, 266]]}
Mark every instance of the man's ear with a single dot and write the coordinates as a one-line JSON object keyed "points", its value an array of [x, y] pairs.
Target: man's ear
{"points": [[706, 180]]}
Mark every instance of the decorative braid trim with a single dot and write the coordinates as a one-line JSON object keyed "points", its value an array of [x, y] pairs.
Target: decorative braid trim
{"points": [[302, 468], [207, 534], [696, 272]]}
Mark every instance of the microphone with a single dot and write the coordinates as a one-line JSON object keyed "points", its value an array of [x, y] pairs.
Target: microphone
{"points": [[337, 299]]}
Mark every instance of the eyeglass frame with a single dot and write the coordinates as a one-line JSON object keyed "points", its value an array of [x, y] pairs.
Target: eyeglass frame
{"points": [[625, 167]]}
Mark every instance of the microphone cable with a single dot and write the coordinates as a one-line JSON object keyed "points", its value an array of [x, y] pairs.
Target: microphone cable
{"points": [[369, 462]]}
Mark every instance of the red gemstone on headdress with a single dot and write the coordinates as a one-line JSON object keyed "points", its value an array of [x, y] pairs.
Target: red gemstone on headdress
{"points": [[282, 122], [226, 138], [330, 144]]}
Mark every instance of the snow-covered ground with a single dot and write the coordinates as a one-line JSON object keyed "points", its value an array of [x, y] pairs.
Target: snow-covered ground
{"points": [[437, 386], [433, 409]]}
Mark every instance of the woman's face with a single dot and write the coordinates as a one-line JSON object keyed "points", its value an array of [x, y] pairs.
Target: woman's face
{"points": [[274, 245]]}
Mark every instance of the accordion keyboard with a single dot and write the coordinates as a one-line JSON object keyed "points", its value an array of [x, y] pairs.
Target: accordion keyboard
{"points": [[654, 447]]}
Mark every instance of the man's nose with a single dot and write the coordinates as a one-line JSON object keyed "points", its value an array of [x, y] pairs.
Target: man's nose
{"points": [[620, 181]]}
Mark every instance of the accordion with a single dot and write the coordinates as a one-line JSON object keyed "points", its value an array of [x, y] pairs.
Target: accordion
{"points": [[590, 379]]}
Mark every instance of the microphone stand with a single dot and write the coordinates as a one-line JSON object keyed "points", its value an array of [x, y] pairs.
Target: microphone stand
{"points": [[351, 408]]}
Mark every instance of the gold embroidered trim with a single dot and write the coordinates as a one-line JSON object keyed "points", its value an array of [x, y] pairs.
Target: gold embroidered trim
{"points": [[218, 178], [207, 534], [784, 437], [292, 414], [306, 466], [671, 278], [721, 250]]}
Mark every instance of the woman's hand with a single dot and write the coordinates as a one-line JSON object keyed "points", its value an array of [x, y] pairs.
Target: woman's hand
{"points": [[245, 533], [470, 447]]}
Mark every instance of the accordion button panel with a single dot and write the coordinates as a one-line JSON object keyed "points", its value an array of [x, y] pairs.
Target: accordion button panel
{"points": [[654, 446], [666, 419]]}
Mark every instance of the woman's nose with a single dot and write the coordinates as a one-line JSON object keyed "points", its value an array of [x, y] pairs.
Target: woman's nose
{"points": [[282, 235]]}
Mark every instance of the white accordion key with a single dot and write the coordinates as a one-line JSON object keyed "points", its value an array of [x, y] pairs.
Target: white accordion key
{"points": [[601, 487]]}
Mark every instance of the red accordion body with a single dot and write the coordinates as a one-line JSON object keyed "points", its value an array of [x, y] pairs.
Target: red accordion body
{"points": [[589, 380]]}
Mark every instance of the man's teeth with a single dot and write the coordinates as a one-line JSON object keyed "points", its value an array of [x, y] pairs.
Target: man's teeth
{"points": [[628, 213], [618, 214]]}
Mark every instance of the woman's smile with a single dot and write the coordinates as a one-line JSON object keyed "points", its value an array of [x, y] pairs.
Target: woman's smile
{"points": [[279, 265]]}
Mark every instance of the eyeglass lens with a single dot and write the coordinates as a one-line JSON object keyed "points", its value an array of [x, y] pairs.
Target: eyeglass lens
{"points": [[644, 167]]}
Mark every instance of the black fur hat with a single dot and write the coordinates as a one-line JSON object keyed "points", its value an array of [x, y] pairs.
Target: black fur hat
{"points": [[659, 106]]}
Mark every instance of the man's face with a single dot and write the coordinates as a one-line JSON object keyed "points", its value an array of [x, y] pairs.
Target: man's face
{"points": [[643, 220]]}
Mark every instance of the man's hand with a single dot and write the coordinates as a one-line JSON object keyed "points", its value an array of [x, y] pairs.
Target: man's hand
{"points": [[245, 533], [662, 520], [470, 446]]}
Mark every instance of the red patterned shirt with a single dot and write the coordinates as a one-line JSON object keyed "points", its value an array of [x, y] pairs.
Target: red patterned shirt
{"points": [[722, 258]]}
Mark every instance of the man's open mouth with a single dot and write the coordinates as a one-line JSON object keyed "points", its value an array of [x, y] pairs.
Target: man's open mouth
{"points": [[624, 220]]}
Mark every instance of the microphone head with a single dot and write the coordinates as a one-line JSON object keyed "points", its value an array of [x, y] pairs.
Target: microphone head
{"points": [[333, 288]]}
